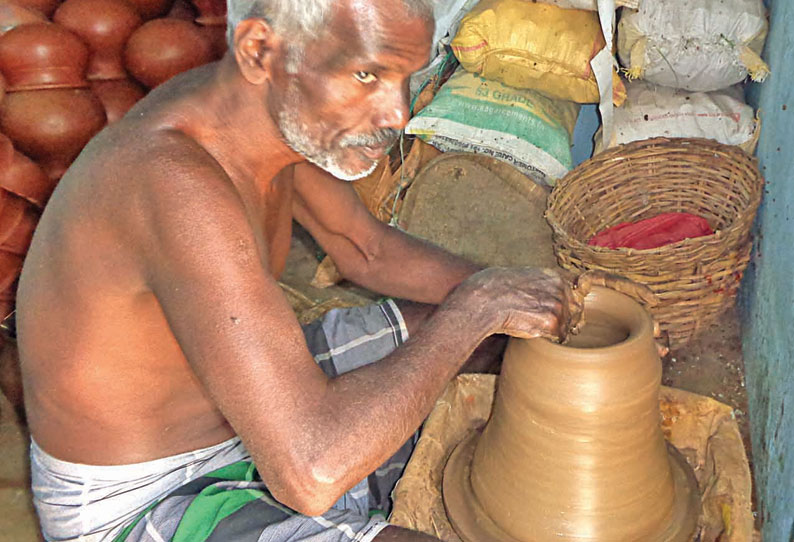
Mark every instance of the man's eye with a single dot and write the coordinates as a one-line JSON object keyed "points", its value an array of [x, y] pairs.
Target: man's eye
{"points": [[365, 77]]}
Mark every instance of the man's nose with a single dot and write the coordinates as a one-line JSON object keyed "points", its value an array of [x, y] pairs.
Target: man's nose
{"points": [[393, 110]]}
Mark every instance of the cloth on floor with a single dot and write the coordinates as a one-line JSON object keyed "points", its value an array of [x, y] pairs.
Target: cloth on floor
{"points": [[215, 493]]}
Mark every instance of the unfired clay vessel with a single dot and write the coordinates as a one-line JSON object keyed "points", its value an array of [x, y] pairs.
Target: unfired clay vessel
{"points": [[117, 96], [105, 25], [51, 126], [23, 177], [41, 56], [162, 48], [574, 451], [13, 15]]}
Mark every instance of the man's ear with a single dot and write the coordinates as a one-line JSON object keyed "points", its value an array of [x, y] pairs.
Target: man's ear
{"points": [[255, 48]]}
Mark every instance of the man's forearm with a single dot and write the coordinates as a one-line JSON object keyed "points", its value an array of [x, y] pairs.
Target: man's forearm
{"points": [[411, 268], [396, 394]]}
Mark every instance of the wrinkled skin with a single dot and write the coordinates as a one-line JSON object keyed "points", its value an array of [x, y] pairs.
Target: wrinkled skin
{"points": [[150, 320]]}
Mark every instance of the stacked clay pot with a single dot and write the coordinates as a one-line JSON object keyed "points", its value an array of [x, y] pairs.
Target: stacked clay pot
{"points": [[163, 48], [48, 112], [105, 26], [69, 67], [212, 21], [24, 189]]}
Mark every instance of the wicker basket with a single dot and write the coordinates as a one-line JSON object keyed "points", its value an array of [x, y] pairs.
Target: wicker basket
{"points": [[695, 279]]}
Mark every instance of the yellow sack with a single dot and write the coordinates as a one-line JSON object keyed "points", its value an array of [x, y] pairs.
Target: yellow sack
{"points": [[537, 46]]}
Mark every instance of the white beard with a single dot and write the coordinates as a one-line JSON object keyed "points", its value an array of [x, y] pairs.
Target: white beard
{"points": [[296, 136]]}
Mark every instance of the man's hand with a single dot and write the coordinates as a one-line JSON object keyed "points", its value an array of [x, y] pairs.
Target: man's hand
{"points": [[521, 302]]}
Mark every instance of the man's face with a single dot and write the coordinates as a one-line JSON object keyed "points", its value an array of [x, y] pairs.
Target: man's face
{"points": [[347, 99]]}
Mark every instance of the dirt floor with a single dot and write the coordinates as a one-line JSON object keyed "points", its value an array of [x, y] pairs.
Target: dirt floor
{"points": [[709, 365]]}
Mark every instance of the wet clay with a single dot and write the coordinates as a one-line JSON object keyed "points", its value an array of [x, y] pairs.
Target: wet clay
{"points": [[574, 450]]}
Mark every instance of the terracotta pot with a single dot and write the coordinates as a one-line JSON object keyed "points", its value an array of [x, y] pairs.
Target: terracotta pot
{"points": [[149, 9], [211, 11], [23, 177], [10, 266], [2, 87], [45, 7], [105, 26], [51, 126], [13, 15], [17, 223], [574, 450], [183, 9], [216, 36], [117, 96], [42, 56], [162, 48]]}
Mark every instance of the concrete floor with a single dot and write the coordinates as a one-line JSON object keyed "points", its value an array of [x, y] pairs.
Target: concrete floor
{"points": [[709, 365]]}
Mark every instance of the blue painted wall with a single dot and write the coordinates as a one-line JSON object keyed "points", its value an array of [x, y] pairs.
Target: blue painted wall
{"points": [[768, 292]]}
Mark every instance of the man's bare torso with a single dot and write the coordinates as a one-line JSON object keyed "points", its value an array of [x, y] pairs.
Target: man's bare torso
{"points": [[101, 363]]}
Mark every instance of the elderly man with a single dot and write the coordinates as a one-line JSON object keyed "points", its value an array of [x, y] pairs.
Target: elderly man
{"points": [[170, 391]]}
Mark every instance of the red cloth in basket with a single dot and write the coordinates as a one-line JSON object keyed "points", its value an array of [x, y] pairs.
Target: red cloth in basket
{"points": [[653, 232]]}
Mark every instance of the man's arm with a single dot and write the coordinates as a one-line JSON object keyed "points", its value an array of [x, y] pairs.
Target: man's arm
{"points": [[368, 252], [311, 437]]}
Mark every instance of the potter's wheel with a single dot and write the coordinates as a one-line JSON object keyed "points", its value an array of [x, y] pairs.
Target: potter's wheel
{"points": [[472, 523]]}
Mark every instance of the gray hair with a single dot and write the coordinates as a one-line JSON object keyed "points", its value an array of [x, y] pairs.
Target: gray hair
{"points": [[299, 19]]}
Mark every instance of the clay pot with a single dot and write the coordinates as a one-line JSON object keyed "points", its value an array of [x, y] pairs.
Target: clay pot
{"points": [[574, 450], [13, 15], [2, 87], [51, 126], [117, 96], [17, 223], [182, 9], [10, 266], [149, 9], [105, 26], [45, 7], [216, 36], [42, 56], [211, 12], [162, 48], [23, 177]]}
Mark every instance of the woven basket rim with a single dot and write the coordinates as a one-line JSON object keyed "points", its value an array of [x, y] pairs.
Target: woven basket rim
{"points": [[618, 154]]}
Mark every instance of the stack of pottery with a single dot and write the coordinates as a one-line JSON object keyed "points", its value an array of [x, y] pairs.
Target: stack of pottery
{"points": [[69, 67], [212, 21], [105, 26], [48, 112], [24, 189]]}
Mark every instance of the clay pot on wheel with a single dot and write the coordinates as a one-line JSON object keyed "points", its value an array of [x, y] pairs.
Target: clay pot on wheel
{"points": [[45, 7], [51, 126], [13, 15], [162, 48], [105, 26], [42, 56], [23, 177], [574, 450], [149, 9], [117, 97]]}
